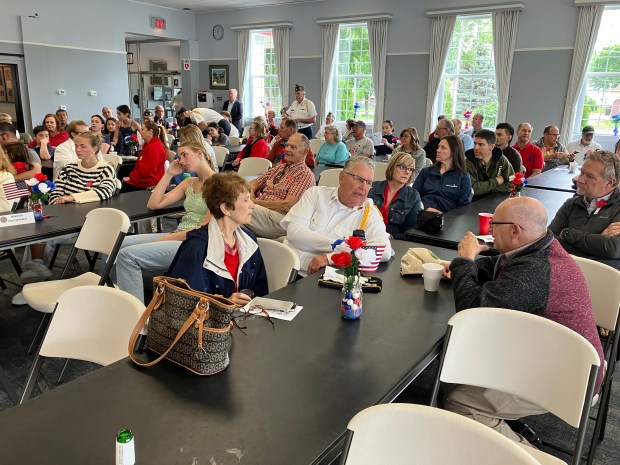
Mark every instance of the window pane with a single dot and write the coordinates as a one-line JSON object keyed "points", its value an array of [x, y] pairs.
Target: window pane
{"points": [[468, 82], [263, 79]]}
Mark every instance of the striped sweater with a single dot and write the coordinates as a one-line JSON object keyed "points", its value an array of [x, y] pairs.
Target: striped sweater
{"points": [[85, 184]]}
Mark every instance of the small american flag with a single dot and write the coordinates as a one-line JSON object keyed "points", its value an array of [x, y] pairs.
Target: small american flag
{"points": [[15, 190]]}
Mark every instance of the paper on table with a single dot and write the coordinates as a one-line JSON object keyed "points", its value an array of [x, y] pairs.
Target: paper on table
{"points": [[280, 309]]}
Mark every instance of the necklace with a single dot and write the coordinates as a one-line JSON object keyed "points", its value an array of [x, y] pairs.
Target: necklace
{"points": [[232, 243]]}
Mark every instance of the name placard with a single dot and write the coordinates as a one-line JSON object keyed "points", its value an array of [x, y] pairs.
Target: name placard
{"points": [[15, 219]]}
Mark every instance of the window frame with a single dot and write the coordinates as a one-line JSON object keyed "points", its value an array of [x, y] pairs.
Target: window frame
{"points": [[275, 102]]}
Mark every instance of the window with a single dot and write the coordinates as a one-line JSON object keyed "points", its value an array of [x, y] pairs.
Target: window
{"points": [[354, 92], [600, 97], [468, 82], [264, 91]]}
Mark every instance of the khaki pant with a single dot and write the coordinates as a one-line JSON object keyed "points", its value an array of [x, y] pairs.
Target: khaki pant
{"points": [[266, 223], [491, 408]]}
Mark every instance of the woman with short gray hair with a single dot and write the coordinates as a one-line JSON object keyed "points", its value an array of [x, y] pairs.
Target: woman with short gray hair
{"points": [[333, 151]]}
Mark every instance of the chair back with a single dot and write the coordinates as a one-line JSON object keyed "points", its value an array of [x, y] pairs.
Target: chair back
{"points": [[521, 354], [281, 262], [246, 132], [409, 433], [315, 145], [380, 169], [604, 285], [428, 162], [234, 141], [253, 165], [220, 154], [102, 230], [330, 177], [92, 323], [169, 139], [113, 159]]}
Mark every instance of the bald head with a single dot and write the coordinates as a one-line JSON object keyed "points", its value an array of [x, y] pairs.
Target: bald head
{"points": [[528, 213], [457, 126]]}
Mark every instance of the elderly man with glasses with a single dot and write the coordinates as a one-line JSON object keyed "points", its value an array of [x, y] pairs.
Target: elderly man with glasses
{"points": [[324, 214], [589, 223], [555, 153], [533, 274], [444, 128]]}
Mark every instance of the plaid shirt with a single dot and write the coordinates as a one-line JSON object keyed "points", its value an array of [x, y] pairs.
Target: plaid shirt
{"points": [[285, 179]]}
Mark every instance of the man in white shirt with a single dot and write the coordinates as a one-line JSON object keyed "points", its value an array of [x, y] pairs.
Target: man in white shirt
{"points": [[324, 214], [360, 144], [201, 117], [302, 110], [580, 148]]}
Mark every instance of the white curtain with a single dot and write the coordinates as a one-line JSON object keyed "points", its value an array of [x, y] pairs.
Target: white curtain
{"points": [[587, 30], [377, 42], [328, 42], [504, 39], [280, 41], [243, 55], [441, 34]]}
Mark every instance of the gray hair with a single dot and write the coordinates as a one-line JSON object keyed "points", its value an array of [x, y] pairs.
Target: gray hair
{"points": [[355, 159], [610, 162], [447, 124], [334, 131]]}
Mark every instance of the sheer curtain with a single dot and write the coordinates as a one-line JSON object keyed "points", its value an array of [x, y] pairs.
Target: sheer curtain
{"points": [[504, 39], [377, 41], [243, 52], [328, 42], [587, 30], [441, 34], [281, 46]]}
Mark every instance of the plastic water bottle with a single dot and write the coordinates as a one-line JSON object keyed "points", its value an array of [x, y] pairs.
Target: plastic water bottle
{"points": [[125, 452]]}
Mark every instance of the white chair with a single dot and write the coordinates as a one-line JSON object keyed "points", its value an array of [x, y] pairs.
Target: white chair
{"points": [[169, 139], [428, 162], [253, 165], [246, 132], [103, 232], [281, 262], [315, 145], [114, 160], [409, 433], [330, 177], [604, 285], [91, 323], [234, 141], [524, 355], [221, 153], [380, 169]]}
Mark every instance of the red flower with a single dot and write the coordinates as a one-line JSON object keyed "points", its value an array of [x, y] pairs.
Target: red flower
{"points": [[600, 203], [134, 137], [89, 184], [355, 242], [40, 177], [341, 259], [518, 179]]}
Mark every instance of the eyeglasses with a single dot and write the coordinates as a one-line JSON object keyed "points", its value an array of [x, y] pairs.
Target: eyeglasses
{"points": [[495, 223], [359, 179], [406, 168]]}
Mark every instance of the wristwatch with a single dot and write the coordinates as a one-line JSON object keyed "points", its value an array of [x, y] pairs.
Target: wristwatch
{"points": [[564, 233]]}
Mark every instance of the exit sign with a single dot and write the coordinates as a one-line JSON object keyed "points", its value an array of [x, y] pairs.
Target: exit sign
{"points": [[158, 23]]}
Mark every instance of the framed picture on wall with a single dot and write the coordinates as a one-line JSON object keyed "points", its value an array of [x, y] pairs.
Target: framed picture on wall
{"points": [[218, 75], [8, 84], [159, 65], [2, 87]]}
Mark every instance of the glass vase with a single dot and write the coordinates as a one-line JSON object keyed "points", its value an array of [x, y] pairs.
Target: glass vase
{"points": [[351, 301], [36, 206], [515, 194]]}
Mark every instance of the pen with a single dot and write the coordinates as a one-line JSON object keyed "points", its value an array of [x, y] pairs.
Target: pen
{"points": [[45, 217]]}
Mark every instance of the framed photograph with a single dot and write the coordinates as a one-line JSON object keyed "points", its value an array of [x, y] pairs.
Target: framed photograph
{"points": [[2, 87], [159, 65], [159, 80], [8, 84], [175, 82], [218, 75]]}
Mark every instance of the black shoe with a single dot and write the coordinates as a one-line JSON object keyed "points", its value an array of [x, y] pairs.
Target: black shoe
{"points": [[522, 428]]}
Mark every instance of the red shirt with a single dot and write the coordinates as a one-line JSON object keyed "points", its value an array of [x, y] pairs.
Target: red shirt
{"points": [[258, 149], [532, 158], [231, 260], [149, 167], [55, 141], [385, 208]]}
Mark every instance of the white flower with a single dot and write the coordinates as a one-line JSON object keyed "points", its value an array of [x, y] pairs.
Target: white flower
{"points": [[32, 182], [366, 256], [44, 188], [511, 178], [342, 247]]}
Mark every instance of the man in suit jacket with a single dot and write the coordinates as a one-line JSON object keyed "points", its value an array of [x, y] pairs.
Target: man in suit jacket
{"points": [[235, 108]]}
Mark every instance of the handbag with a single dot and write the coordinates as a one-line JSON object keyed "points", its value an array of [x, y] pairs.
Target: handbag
{"points": [[189, 328], [430, 222]]}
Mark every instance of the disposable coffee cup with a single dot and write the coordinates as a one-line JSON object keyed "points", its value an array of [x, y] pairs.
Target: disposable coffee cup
{"points": [[388, 156], [431, 273], [483, 222], [572, 167]]}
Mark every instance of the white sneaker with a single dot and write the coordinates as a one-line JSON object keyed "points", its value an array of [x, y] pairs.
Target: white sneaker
{"points": [[35, 271], [18, 299]]}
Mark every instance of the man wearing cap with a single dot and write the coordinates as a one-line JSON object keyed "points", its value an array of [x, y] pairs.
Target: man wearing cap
{"points": [[201, 117], [302, 111], [580, 148], [531, 155], [360, 144], [235, 108]]}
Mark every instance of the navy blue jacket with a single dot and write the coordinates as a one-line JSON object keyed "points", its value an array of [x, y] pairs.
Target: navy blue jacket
{"points": [[403, 214], [443, 192], [189, 261]]}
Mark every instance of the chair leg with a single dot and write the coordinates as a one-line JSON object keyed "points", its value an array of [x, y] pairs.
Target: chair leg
{"points": [[32, 378], [54, 256], [40, 329], [14, 261], [62, 372]]}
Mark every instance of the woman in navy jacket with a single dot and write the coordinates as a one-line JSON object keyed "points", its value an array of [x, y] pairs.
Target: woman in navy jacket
{"points": [[222, 257], [446, 185]]}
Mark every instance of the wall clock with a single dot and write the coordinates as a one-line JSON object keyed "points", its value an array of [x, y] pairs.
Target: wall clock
{"points": [[218, 32]]}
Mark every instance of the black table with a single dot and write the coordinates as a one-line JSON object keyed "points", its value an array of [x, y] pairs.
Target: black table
{"points": [[556, 179], [457, 222], [285, 399], [69, 218]]}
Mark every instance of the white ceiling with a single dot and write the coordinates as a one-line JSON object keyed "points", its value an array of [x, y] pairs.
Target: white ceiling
{"points": [[203, 6]]}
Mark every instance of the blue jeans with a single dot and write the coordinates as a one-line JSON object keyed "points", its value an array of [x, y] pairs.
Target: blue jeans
{"points": [[141, 253]]}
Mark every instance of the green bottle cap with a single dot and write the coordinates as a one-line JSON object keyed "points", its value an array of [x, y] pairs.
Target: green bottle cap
{"points": [[124, 436], [186, 175]]}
